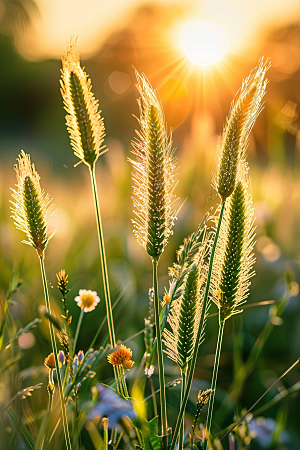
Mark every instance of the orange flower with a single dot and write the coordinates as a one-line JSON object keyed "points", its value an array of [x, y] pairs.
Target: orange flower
{"points": [[87, 300], [166, 299], [50, 360], [121, 357]]}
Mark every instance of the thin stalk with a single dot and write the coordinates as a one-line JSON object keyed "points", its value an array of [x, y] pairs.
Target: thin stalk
{"points": [[105, 318], [109, 314], [153, 397], [260, 398], [77, 330], [126, 394], [54, 349], [163, 405], [115, 447], [199, 334], [181, 433], [120, 386], [50, 393], [105, 433], [214, 378]]}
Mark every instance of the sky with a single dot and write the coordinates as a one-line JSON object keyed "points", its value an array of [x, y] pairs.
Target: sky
{"points": [[247, 22]]}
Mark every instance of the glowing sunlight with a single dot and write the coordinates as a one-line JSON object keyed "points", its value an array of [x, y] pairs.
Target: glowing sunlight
{"points": [[204, 41]]}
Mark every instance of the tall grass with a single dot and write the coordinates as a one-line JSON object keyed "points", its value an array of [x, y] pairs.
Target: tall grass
{"points": [[214, 264]]}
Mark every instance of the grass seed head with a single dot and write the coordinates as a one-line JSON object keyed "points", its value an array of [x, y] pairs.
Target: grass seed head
{"points": [[32, 208], [184, 319], [62, 282], [83, 120], [154, 177], [234, 257], [243, 112]]}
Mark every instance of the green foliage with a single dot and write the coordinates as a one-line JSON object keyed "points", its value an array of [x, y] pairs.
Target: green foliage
{"points": [[24, 330], [151, 440], [86, 369], [20, 429]]}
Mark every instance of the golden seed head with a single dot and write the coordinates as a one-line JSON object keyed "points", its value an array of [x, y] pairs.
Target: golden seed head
{"points": [[183, 318], [62, 282], [234, 257], [83, 119], [121, 357], [244, 110], [32, 208], [203, 398], [154, 177]]}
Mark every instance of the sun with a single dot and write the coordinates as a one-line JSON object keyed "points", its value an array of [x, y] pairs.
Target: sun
{"points": [[204, 41]]}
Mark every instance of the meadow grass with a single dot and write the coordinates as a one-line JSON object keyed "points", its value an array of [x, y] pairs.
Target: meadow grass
{"points": [[214, 265]]}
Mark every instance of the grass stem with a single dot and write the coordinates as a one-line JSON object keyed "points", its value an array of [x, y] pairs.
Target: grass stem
{"points": [[54, 349], [77, 330], [105, 433], [110, 322], [214, 378], [181, 433], [199, 334], [163, 405], [126, 394], [109, 313]]}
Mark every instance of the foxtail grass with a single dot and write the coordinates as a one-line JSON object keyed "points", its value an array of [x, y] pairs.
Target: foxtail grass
{"points": [[232, 269], [87, 132], [153, 198], [231, 167], [32, 211], [184, 319], [244, 110]]}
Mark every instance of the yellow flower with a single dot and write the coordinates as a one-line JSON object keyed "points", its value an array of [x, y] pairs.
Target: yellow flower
{"points": [[87, 300], [121, 357]]}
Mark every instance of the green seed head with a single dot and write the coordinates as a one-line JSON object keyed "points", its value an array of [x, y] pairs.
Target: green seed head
{"points": [[234, 254], [32, 208], [154, 175], [184, 319], [83, 120], [243, 113]]}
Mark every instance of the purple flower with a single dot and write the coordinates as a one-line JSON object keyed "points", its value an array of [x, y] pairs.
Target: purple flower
{"points": [[109, 404]]}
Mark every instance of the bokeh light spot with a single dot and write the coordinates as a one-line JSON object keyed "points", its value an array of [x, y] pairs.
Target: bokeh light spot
{"points": [[119, 82], [26, 340], [204, 41]]}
